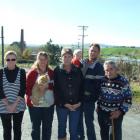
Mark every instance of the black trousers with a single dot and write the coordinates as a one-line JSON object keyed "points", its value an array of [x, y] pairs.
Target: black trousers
{"points": [[7, 121]]}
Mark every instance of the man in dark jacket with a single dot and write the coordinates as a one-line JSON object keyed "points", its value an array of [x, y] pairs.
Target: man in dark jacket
{"points": [[93, 72]]}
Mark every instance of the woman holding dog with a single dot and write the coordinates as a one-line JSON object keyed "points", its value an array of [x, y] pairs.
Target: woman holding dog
{"points": [[41, 113], [12, 91]]}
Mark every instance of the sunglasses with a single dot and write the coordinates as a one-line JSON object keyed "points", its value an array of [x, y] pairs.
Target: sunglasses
{"points": [[11, 59]]}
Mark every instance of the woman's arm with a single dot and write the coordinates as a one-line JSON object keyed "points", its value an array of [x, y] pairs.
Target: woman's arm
{"points": [[127, 95], [2, 95], [30, 81], [22, 83]]}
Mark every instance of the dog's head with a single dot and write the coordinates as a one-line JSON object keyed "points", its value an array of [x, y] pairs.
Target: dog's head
{"points": [[42, 79]]}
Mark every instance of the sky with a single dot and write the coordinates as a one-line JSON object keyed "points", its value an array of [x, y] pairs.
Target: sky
{"points": [[113, 22]]}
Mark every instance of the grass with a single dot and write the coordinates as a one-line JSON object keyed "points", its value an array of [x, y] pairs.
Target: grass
{"points": [[136, 92], [118, 51], [121, 51]]}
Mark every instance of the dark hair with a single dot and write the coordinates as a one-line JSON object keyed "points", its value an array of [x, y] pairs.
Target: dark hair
{"points": [[66, 50], [95, 45]]}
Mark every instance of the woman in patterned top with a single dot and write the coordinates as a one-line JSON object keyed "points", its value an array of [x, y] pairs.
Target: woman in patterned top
{"points": [[12, 91], [114, 101]]}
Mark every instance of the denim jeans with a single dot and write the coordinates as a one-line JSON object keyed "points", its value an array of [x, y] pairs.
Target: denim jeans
{"points": [[88, 112], [80, 131], [106, 126], [7, 125], [62, 115], [41, 116]]}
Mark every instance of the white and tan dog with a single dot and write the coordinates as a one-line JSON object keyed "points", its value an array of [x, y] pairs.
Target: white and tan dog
{"points": [[41, 95]]}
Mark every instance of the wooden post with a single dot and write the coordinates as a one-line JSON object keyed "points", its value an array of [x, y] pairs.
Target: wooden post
{"points": [[2, 44]]}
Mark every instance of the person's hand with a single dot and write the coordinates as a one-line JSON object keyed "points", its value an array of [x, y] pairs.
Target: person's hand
{"points": [[18, 99], [5, 101], [115, 114], [14, 105], [34, 101], [75, 106], [70, 107], [8, 107], [11, 108]]}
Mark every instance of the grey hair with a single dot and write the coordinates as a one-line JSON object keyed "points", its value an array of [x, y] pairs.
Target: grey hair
{"points": [[76, 51], [112, 63]]}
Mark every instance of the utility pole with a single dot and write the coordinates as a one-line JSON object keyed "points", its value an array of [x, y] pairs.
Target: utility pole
{"points": [[2, 45], [83, 36], [78, 45]]}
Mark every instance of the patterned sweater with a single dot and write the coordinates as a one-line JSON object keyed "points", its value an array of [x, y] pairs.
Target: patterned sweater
{"points": [[115, 94]]}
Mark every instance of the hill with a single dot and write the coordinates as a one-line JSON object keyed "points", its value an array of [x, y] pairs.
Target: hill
{"points": [[121, 51]]}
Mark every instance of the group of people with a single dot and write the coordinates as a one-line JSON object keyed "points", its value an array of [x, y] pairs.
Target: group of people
{"points": [[75, 89]]}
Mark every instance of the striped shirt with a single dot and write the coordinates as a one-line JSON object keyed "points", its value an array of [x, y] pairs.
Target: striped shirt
{"points": [[11, 91]]}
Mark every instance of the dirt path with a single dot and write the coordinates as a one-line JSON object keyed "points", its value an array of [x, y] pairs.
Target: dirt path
{"points": [[131, 127]]}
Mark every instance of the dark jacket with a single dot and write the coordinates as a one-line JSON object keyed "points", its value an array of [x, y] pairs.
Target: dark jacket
{"points": [[68, 86], [93, 73]]}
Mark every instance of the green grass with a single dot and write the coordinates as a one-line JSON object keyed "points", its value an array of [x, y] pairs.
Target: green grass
{"points": [[118, 51], [121, 51], [136, 92]]}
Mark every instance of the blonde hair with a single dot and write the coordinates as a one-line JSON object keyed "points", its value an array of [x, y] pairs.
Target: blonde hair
{"points": [[10, 53], [41, 53]]}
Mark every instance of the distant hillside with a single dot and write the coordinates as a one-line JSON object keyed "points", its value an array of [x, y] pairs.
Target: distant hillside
{"points": [[86, 45], [121, 51], [75, 46]]}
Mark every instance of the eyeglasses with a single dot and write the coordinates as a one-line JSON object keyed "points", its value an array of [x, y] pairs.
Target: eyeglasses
{"points": [[11, 59]]}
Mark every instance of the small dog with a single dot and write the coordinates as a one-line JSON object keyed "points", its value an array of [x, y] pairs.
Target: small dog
{"points": [[42, 97], [37, 92]]}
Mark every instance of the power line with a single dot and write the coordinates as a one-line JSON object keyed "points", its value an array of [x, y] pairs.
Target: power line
{"points": [[83, 36]]}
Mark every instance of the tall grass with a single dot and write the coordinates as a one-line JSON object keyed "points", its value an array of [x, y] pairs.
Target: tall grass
{"points": [[136, 92]]}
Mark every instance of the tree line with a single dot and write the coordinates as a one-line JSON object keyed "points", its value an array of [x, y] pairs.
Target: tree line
{"points": [[28, 54]]}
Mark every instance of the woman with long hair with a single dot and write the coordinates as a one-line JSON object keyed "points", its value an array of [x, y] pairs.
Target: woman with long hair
{"points": [[41, 107]]}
